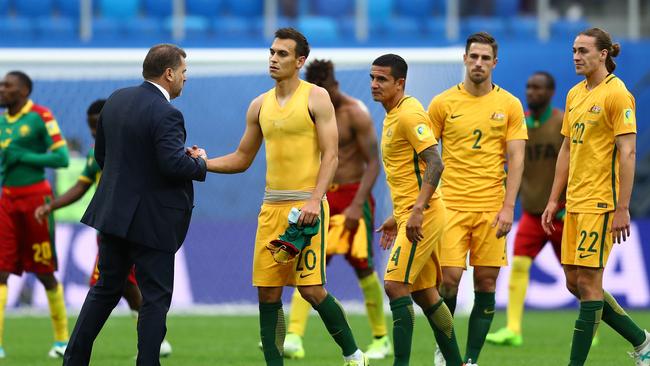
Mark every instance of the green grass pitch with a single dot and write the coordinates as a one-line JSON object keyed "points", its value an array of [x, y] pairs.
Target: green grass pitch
{"points": [[232, 341]]}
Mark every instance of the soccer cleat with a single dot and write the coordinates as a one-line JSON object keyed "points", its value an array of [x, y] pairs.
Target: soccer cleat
{"points": [[439, 359], [641, 355], [293, 347], [362, 362], [380, 348], [57, 350], [505, 337], [165, 348], [2, 352], [469, 363]]}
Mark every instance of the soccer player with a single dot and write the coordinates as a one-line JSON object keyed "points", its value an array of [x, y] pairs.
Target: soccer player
{"points": [[544, 123], [30, 141], [297, 121], [480, 125], [414, 231], [89, 176], [596, 165], [351, 204]]}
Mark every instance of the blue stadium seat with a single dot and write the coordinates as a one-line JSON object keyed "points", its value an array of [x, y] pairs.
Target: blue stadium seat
{"points": [[68, 8], [195, 27], [380, 11], [568, 29], [4, 7], [123, 9], [495, 26], [318, 29], [206, 8], [143, 27], [506, 8], [245, 8], [401, 27], [230, 26], [17, 28], [523, 27], [415, 8], [158, 8], [333, 8], [107, 28], [33, 8], [436, 28], [59, 28]]}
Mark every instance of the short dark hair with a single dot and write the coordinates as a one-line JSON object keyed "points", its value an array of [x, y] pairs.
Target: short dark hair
{"points": [[24, 79], [319, 71], [398, 67], [160, 58], [482, 37], [604, 42], [96, 107], [302, 46], [550, 80]]}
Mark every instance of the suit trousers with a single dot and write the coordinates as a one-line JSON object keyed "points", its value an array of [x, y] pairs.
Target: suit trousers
{"points": [[154, 271]]}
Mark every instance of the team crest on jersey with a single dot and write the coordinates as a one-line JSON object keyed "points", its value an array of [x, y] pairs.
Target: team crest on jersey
{"points": [[23, 130], [498, 116], [595, 109], [389, 132], [422, 131], [628, 116]]}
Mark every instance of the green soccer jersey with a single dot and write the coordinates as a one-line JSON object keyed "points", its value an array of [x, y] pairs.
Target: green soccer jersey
{"points": [[32, 130], [91, 172]]}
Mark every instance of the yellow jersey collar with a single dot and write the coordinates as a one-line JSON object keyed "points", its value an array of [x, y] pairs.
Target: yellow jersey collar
{"points": [[26, 108]]}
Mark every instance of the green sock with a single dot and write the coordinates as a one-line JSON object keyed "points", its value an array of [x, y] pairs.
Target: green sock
{"points": [[442, 323], [403, 321], [479, 323], [617, 318], [272, 330], [583, 333], [451, 303], [334, 318]]}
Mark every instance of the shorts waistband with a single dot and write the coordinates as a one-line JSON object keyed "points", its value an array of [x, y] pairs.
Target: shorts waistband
{"points": [[42, 187], [334, 187], [271, 195]]}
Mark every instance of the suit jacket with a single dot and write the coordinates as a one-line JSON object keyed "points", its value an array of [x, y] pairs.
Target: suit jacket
{"points": [[145, 194]]}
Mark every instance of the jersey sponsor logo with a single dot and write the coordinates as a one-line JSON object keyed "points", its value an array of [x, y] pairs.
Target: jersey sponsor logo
{"points": [[601, 205], [52, 128], [454, 116], [583, 255], [391, 270], [628, 116], [422, 131], [595, 109], [303, 275], [498, 116], [24, 130]]}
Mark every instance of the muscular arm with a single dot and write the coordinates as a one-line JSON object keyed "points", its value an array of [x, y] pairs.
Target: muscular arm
{"points": [[431, 176], [366, 138], [516, 153], [559, 183], [249, 145], [626, 145]]}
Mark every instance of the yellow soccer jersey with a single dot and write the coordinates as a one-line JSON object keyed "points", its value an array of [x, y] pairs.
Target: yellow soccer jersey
{"points": [[474, 131], [406, 133], [291, 141], [592, 120]]}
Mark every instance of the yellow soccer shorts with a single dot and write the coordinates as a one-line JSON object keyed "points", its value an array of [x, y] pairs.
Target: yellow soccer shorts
{"points": [[308, 268], [586, 240], [472, 232], [418, 263]]}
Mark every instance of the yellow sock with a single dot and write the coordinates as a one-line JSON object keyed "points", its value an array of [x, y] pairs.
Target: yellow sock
{"points": [[3, 304], [298, 314], [374, 297], [58, 313], [517, 291]]}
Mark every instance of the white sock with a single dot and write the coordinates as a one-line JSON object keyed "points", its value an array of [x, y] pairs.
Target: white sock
{"points": [[358, 355]]}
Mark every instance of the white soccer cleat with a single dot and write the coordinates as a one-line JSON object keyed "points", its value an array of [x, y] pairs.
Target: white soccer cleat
{"points": [[380, 348], [165, 348], [57, 350], [642, 354], [362, 361], [293, 347], [439, 359], [469, 363]]}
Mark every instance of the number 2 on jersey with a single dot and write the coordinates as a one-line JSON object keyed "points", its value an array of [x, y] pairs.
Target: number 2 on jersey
{"points": [[477, 143]]}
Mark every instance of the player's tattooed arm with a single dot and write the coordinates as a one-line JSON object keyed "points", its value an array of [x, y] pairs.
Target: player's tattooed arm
{"points": [[434, 165]]}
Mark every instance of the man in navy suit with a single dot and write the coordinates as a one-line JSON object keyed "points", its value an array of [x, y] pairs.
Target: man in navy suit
{"points": [[143, 203]]}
